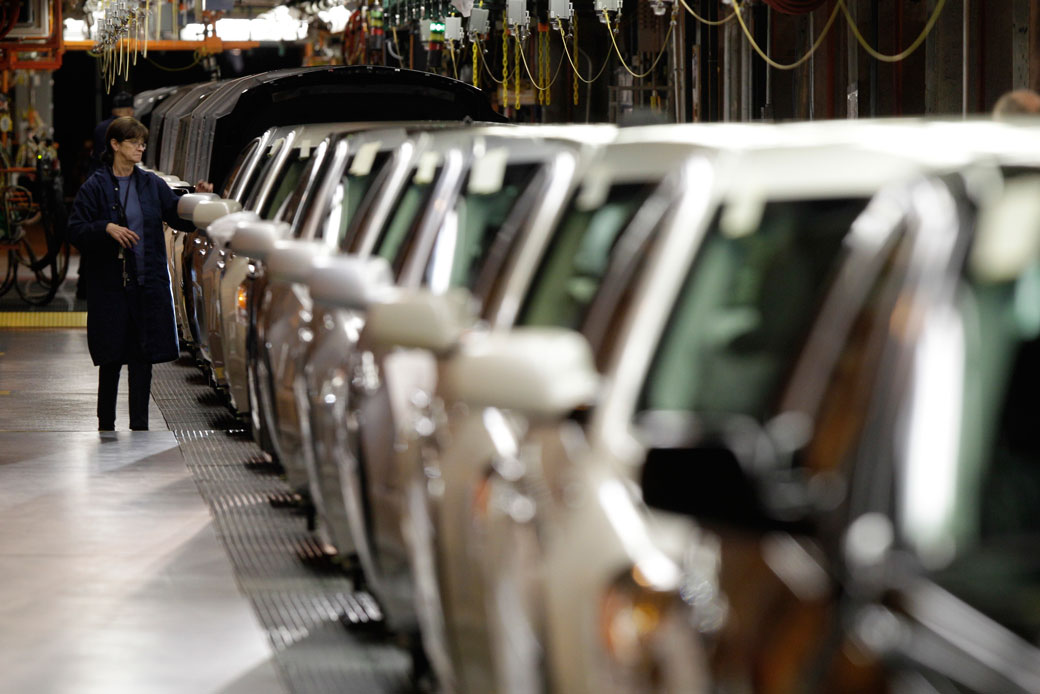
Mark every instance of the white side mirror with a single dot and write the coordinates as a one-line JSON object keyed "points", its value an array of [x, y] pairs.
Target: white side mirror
{"points": [[418, 318], [350, 281], [208, 211], [255, 239], [540, 372], [293, 260], [221, 230], [187, 203]]}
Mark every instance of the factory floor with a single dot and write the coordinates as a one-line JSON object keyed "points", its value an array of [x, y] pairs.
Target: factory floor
{"points": [[114, 578], [154, 562]]}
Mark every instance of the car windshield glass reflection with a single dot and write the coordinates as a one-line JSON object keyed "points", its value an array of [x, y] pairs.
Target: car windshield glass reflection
{"points": [[236, 168], [405, 219], [974, 516], [464, 241], [254, 184], [291, 174], [577, 260], [746, 309], [351, 190]]}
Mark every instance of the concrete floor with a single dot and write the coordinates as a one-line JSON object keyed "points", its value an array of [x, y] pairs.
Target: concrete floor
{"points": [[113, 577]]}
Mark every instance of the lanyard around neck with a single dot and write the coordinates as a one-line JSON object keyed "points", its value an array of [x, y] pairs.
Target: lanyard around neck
{"points": [[126, 196]]}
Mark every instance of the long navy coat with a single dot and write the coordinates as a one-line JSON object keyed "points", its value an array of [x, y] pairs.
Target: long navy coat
{"points": [[110, 304]]}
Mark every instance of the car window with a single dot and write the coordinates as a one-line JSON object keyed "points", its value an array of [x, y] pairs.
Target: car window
{"points": [[253, 187], [291, 174], [350, 192], [464, 241], [405, 220], [577, 258], [975, 517], [746, 308], [236, 168]]}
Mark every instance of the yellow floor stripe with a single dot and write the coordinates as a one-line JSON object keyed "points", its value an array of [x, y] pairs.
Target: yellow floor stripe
{"points": [[43, 319]]}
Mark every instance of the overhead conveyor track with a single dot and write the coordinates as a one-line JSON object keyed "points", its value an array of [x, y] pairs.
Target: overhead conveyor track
{"points": [[326, 635]]}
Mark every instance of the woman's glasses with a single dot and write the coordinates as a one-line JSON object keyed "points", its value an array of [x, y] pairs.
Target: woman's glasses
{"points": [[136, 143]]}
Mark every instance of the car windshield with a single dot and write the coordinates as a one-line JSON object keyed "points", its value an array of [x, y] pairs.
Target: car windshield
{"points": [[746, 308], [466, 237], [351, 190], [576, 262], [969, 493]]}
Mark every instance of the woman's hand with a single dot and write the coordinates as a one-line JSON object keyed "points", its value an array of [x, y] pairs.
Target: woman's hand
{"points": [[203, 187], [123, 236]]}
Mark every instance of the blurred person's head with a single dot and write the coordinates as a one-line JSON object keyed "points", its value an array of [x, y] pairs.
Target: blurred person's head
{"points": [[1020, 102], [123, 104]]}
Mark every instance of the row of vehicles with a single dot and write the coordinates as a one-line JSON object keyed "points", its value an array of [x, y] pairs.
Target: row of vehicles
{"points": [[669, 409]]}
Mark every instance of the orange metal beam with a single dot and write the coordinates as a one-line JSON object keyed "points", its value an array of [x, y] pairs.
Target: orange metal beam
{"points": [[51, 49], [209, 45]]}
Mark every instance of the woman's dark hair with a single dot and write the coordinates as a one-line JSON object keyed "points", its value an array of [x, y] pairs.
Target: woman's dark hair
{"points": [[121, 129]]}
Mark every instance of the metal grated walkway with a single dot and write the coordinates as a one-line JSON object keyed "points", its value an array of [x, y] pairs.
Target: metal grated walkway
{"points": [[326, 635]]}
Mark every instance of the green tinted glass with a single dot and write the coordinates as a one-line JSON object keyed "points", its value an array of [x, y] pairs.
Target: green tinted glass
{"points": [[350, 193], [746, 308], [290, 177], [463, 249], [577, 259], [405, 217]]}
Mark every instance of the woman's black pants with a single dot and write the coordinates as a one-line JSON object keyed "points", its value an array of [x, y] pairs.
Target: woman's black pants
{"points": [[140, 370], [140, 390]]}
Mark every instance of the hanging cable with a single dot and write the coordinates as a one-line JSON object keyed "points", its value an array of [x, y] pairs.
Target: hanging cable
{"points": [[570, 59], [451, 54], [738, 10], [664, 49], [476, 68], [898, 56], [198, 57], [523, 60], [709, 22], [393, 49], [487, 68]]}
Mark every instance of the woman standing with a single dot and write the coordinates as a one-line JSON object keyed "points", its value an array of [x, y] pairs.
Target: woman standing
{"points": [[116, 224]]}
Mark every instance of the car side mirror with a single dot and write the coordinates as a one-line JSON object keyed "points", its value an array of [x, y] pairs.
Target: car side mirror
{"points": [[350, 281], [293, 260], [539, 372], [255, 239], [420, 319], [186, 204], [726, 469], [208, 211], [221, 230], [706, 481]]}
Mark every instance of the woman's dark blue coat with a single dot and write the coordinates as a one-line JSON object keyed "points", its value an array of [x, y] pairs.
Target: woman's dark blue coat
{"points": [[110, 304]]}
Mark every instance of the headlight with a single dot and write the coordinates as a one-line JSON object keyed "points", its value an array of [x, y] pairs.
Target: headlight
{"points": [[650, 639]]}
